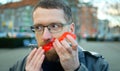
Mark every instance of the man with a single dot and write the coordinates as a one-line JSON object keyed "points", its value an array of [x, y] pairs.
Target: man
{"points": [[51, 19]]}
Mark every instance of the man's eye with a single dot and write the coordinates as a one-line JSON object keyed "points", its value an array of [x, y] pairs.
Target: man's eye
{"points": [[38, 28], [55, 26]]}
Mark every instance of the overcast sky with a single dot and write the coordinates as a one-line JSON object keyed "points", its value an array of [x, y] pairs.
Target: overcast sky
{"points": [[96, 1], [5, 1]]}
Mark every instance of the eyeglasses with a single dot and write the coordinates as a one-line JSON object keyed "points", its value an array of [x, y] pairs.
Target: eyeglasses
{"points": [[53, 28]]}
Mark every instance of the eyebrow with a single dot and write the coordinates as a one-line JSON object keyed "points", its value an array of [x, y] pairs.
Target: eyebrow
{"points": [[38, 24]]}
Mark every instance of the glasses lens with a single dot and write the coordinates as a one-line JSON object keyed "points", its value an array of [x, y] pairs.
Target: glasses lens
{"points": [[55, 27], [37, 28]]}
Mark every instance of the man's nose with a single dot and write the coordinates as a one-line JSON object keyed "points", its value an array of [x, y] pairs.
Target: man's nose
{"points": [[46, 35]]}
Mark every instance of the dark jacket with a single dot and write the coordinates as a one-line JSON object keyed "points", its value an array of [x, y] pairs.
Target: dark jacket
{"points": [[90, 61]]}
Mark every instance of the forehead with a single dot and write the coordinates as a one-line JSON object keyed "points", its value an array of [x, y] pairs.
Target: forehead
{"points": [[44, 16]]}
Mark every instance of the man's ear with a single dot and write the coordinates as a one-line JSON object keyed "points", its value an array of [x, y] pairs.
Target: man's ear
{"points": [[72, 28]]}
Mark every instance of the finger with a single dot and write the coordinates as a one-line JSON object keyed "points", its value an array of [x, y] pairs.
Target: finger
{"points": [[32, 63], [40, 61], [59, 48], [38, 58], [66, 45], [73, 42], [30, 56]]}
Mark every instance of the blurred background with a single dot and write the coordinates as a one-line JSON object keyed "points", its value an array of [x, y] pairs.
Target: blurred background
{"points": [[97, 23]]}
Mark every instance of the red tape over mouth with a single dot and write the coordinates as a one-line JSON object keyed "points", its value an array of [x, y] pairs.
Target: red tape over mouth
{"points": [[49, 45]]}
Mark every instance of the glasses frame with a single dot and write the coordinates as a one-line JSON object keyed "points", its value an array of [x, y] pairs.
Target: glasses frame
{"points": [[33, 28]]}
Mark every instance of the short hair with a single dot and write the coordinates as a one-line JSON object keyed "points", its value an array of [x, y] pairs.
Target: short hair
{"points": [[56, 4]]}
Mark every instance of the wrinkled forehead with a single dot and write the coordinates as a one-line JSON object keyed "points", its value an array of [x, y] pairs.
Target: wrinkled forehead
{"points": [[48, 15]]}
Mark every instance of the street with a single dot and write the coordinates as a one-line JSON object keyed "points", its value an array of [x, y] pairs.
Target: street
{"points": [[110, 50]]}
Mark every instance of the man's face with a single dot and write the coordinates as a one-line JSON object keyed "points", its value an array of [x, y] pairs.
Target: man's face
{"points": [[45, 17]]}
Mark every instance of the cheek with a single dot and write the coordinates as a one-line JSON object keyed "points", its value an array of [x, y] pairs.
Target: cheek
{"points": [[57, 35]]}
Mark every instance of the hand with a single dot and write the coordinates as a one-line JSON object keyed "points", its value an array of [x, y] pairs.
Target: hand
{"points": [[35, 60], [68, 54]]}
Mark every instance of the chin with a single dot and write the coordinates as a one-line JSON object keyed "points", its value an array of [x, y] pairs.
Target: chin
{"points": [[51, 55]]}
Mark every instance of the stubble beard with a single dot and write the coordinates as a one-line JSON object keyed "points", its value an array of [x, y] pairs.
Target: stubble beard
{"points": [[51, 55]]}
